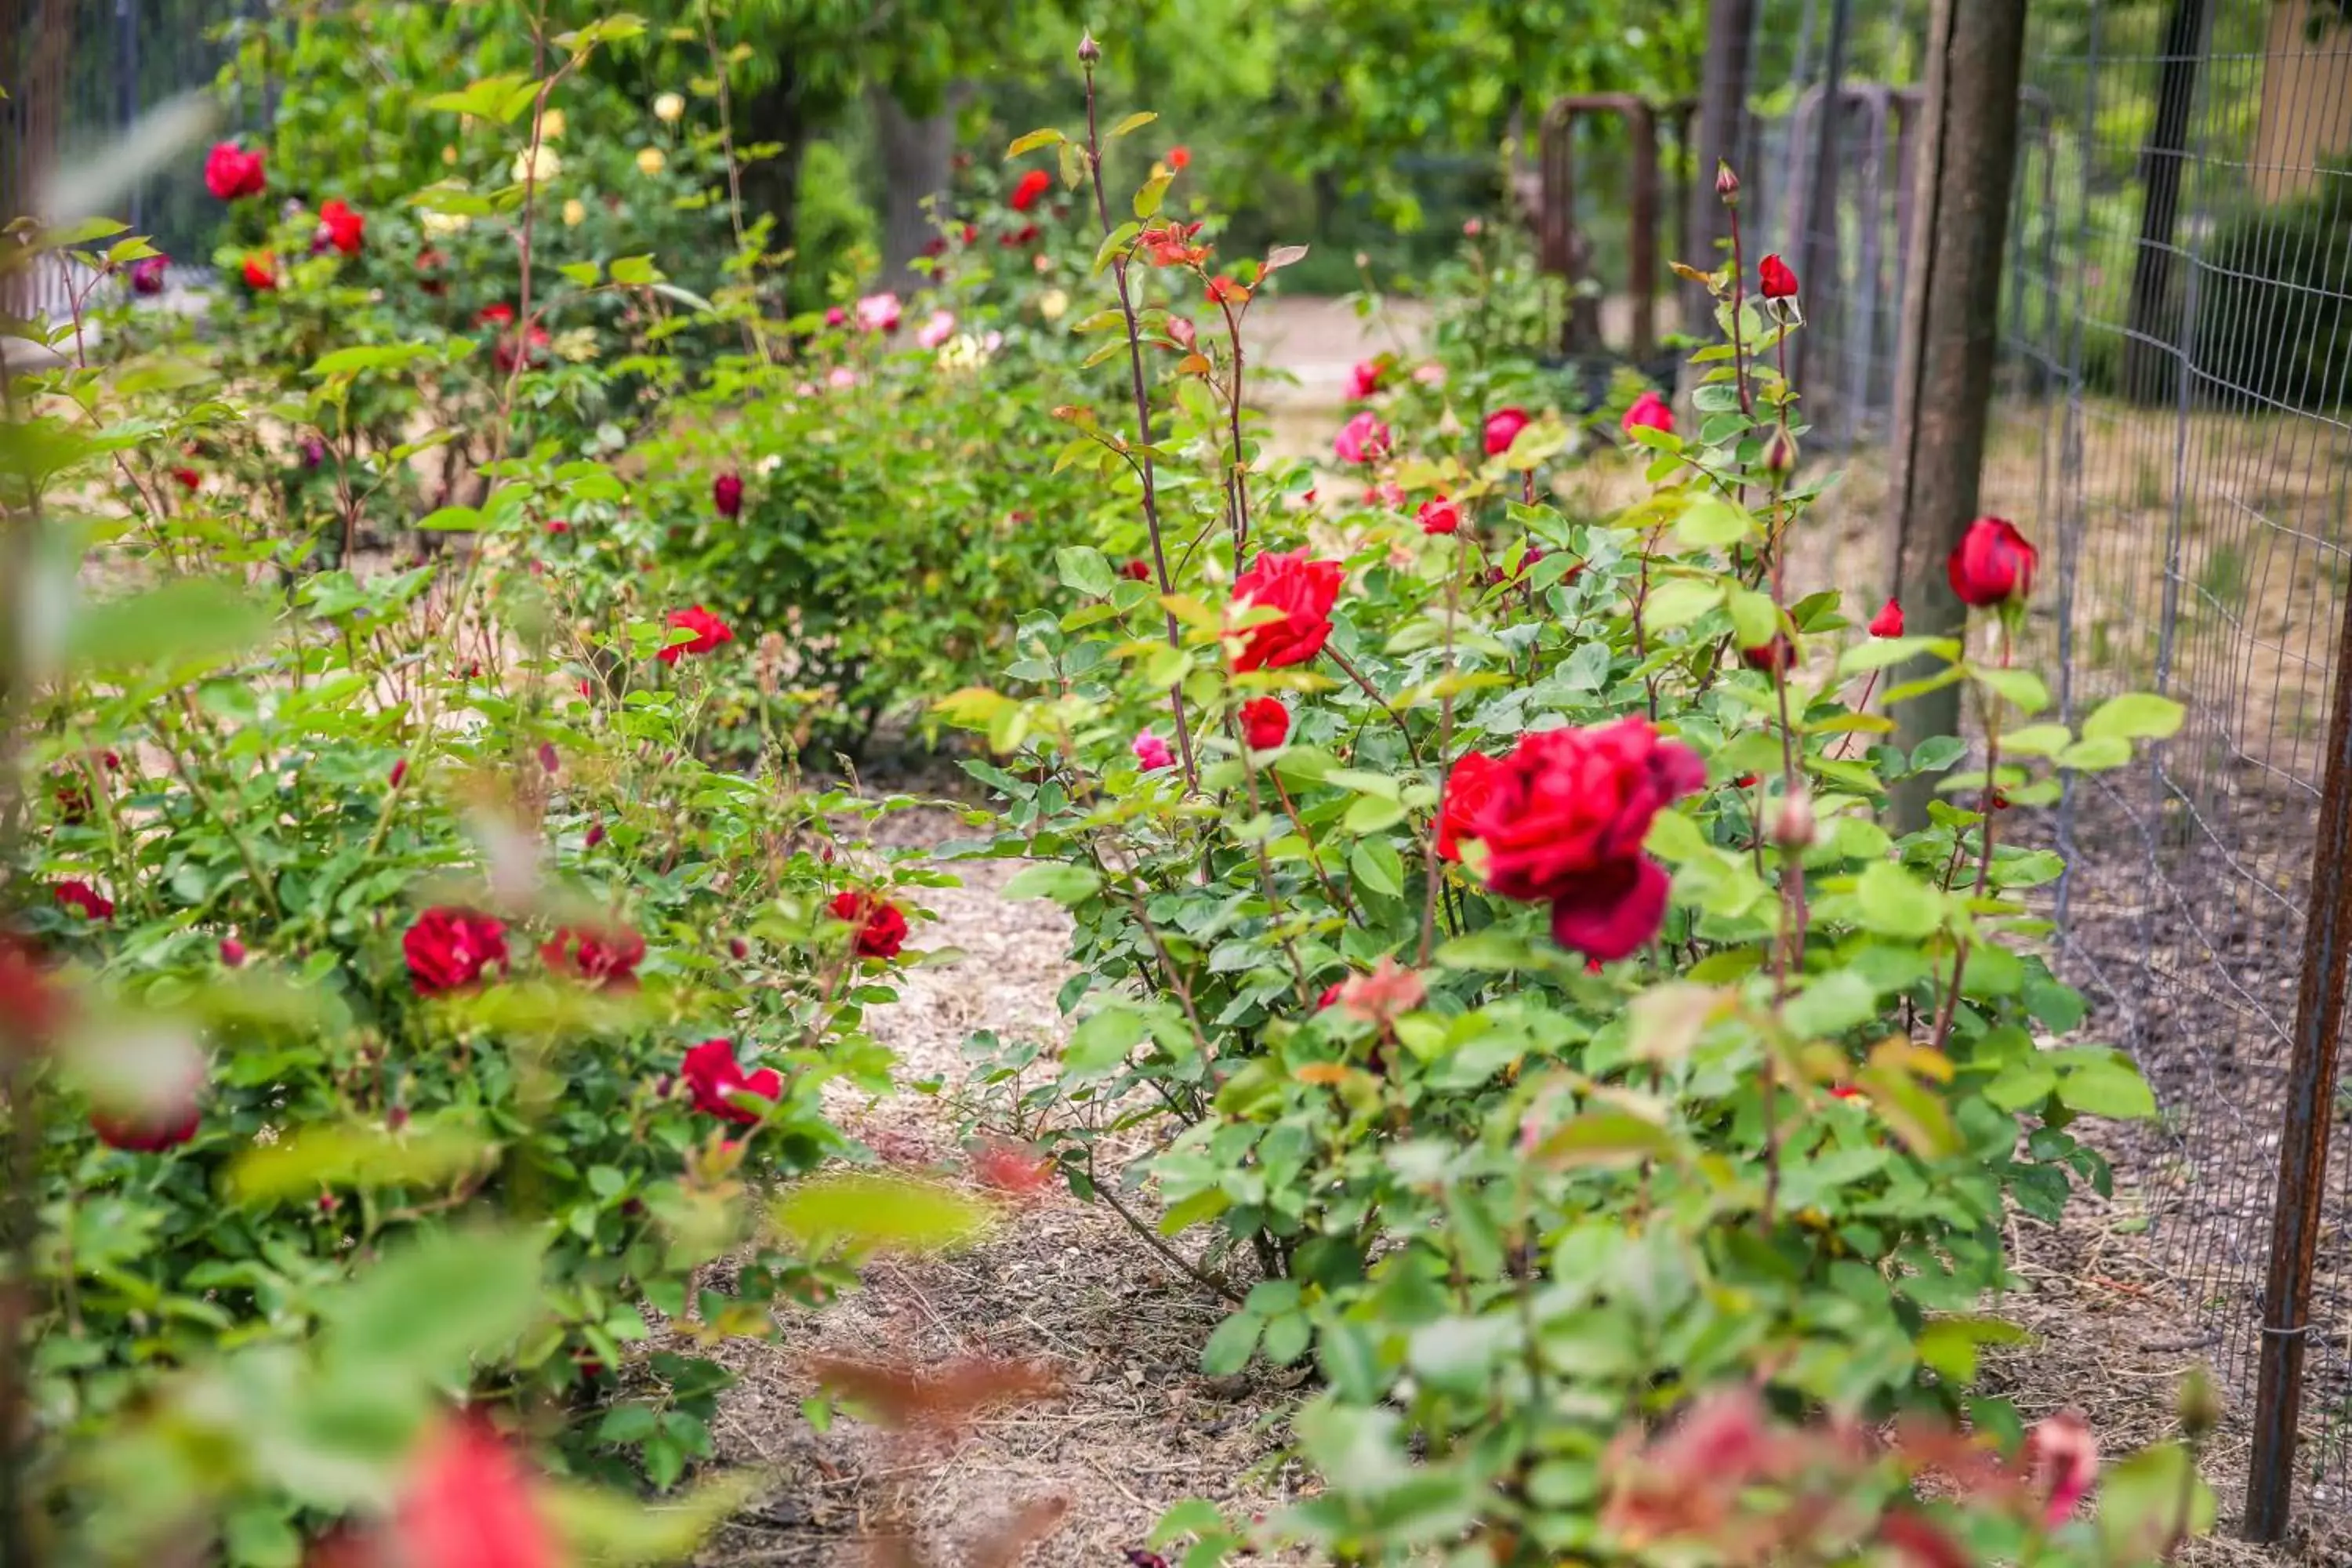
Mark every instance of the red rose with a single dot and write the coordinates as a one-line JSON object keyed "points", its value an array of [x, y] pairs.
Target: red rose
{"points": [[606, 957], [1330, 996], [468, 1503], [1179, 157], [1650, 412], [147, 274], [231, 172], [30, 1006], [1439, 515], [713, 1077], [1467, 787], [1992, 565], [448, 948], [1778, 654], [187, 479], [1363, 439], [1613, 910], [1266, 723], [150, 1131], [708, 631], [1303, 590], [1775, 279], [881, 929], [232, 952], [260, 270], [1888, 622], [727, 494], [1567, 800], [430, 264], [1503, 427], [77, 894], [343, 228], [1031, 190], [1139, 570], [511, 349], [1364, 380], [498, 315], [399, 773]]}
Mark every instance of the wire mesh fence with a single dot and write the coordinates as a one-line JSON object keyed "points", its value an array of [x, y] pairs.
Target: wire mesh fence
{"points": [[2173, 422]]}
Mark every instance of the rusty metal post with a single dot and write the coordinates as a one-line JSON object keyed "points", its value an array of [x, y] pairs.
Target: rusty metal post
{"points": [[1816, 217], [2310, 1114], [1722, 116], [1560, 245]]}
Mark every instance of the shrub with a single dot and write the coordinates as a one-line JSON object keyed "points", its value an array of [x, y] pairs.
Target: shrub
{"points": [[1547, 1035]]}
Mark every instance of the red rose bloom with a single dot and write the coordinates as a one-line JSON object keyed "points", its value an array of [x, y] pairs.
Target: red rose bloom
{"points": [[1888, 622], [1567, 800], [1139, 570], [77, 894], [448, 948], [708, 631], [430, 264], [149, 1131], [30, 1007], [1650, 412], [1303, 590], [512, 348], [713, 1077], [1614, 912], [1031, 190], [1266, 723], [343, 228], [260, 270], [467, 1503], [1330, 996], [1992, 563], [1467, 787], [1503, 427], [606, 957], [231, 172], [1364, 380], [498, 315], [147, 274], [1439, 515], [1778, 654], [1775, 279], [727, 494], [881, 929], [232, 952], [187, 479], [1179, 157]]}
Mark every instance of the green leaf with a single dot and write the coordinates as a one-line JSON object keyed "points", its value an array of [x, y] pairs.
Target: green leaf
{"points": [[1065, 885], [1880, 652], [1102, 1041], [1350, 1360], [1831, 1003], [484, 99], [427, 1311], [1679, 601], [1601, 1139], [1032, 140], [1895, 903], [2022, 688], [1230, 1346], [1136, 121], [2148, 1499], [1711, 521], [1151, 193], [636, 270], [451, 519], [1086, 570], [1755, 622], [1377, 866], [873, 1213], [188, 623], [356, 1155], [616, 1530], [2110, 1088], [1949, 1345], [371, 356], [2135, 716], [2037, 740]]}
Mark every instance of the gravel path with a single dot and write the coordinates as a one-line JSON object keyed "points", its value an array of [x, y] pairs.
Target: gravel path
{"points": [[1136, 1428]]}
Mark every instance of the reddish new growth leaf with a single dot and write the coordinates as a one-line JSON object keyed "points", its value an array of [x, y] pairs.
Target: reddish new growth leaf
{"points": [[1012, 1166], [939, 1398]]}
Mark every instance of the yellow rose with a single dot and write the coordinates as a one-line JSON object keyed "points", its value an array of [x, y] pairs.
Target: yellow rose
{"points": [[670, 108], [550, 125], [1053, 304], [650, 161], [449, 155], [440, 224], [575, 212], [539, 171]]}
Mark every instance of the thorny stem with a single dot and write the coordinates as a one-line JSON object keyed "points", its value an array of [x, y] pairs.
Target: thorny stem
{"points": [[1739, 299], [1266, 867], [1434, 867], [1236, 480], [1142, 426], [1987, 806], [1374, 693], [1338, 894], [1152, 1236]]}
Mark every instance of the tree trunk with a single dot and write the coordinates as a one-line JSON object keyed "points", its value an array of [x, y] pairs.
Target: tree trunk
{"points": [[1722, 118], [1951, 311], [2154, 325], [917, 154], [772, 185]]}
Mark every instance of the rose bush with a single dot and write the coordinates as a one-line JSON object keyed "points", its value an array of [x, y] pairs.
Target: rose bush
{"points": [[1545, 1036]]}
